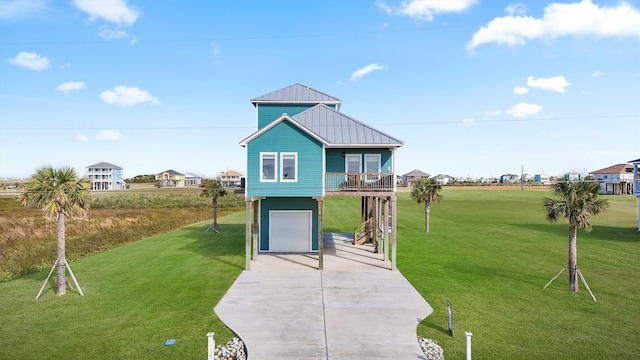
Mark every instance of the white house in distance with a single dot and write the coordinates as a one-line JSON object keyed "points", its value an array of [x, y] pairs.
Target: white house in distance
{"points": [[230, 178], [191, 179], [615, 180], [636, 184], [105, 176]]}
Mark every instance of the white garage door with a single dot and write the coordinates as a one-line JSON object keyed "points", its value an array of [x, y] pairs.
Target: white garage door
{"points": [[290, 231]]}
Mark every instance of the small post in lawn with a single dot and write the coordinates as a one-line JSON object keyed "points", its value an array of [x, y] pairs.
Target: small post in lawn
{"points": [[450, 318], [468, 333], [211, 346]]}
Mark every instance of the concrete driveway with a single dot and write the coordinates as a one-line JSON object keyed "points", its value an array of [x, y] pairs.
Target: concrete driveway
{"points": [[356, 308]]}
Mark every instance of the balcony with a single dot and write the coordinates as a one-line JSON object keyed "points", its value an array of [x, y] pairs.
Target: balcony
{"points": [[358, 184]]}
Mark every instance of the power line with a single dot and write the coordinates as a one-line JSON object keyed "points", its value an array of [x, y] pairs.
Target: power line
{"points": [[567, 118]]}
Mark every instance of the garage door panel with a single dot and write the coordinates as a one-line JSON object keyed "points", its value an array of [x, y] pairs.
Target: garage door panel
{"points": [[290, 231]]}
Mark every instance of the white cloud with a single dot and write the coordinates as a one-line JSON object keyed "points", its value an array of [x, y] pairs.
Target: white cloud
{"points": [[81, 138], [597, 73], [515, 9], [520, 90], [493, 113], [365, 70], [582, 18], [524, 110], [109, 135], [12, 9], [469, 121], [556, 83], [113, 11], [71, 85], [426, 9], [31, 61], [127, 96], [110, 34]]}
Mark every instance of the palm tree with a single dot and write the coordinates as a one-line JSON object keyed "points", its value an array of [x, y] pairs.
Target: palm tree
{"points": [[214, 190], [578, 201], [426, 191], [60, 194]]}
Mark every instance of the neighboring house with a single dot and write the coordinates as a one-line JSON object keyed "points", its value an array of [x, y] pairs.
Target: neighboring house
{"points": [[414, 176], [509, 179], [303, 150], [527, 178], [191, 179], [636, 184], [230, 178], [170, 178], [443, 179], [543, 179], [615, 180], [574, 176], [105, 176]]}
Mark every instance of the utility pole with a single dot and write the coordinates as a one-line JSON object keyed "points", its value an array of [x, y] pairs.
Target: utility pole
{"points": [[521, 177]]}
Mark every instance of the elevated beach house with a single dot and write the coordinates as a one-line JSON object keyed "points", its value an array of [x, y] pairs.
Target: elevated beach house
{"points": [[105, 176], [303, 150]]}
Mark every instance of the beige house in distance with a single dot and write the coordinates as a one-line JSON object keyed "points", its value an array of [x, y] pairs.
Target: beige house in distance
{"points": [[230, 178], [170, 178]]}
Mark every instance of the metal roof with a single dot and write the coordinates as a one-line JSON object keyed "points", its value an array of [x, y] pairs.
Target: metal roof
{"points": [[104, 165], [296, 93], [416, 173], [171, 172], [337, 128], [614, 169]]}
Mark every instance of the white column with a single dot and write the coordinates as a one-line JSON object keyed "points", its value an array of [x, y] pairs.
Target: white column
{"points": [[638, 213], [468, 333]]}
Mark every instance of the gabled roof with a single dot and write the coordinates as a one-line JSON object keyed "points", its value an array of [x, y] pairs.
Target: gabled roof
{"points": [[297, 93], [416, 173], [333, 129], [339, 129], [171, 172], [104, 165], [614, 169], [192, 175]]}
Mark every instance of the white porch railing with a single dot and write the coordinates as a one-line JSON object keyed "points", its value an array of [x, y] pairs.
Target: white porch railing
{"points": [[359, 182]]}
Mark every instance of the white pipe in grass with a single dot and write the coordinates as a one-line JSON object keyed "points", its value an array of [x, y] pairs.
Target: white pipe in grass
{"points": [[468, 333]]}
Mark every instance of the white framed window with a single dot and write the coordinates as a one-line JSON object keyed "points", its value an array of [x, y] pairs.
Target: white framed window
{"points": [[268, 166], [372, 163], [289, 167], [352, 163]]}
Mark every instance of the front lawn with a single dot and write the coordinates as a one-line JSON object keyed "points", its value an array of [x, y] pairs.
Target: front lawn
{"points": [[490, 252]]}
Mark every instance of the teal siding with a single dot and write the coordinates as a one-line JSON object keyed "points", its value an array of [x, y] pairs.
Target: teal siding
{"points": [[335, 160], [267, 113], [285, 137], [287, 204]]}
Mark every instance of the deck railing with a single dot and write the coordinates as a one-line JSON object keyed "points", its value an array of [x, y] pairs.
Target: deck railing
{"points": [[359, 182]]}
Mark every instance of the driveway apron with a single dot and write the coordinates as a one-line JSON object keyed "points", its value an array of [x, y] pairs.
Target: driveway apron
{"points": [[358, 311]]}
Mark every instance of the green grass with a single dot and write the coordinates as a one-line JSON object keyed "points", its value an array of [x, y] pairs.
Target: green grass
{"points": [[490, 253], [136, 297]]}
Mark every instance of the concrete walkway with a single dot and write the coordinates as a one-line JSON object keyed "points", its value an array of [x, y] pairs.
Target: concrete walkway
{"points": [[354, 309]]}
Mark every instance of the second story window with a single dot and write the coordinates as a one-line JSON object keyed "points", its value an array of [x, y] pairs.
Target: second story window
{"points": [[289, 166], [268, 166]]}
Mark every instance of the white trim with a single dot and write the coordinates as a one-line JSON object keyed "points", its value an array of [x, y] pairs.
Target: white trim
{"points": [[275, 167], [276, 122], [295, 170], [310, 214]]}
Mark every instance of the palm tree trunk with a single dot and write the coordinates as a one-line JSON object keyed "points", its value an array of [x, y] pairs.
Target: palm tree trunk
{"points": [[573, 258], [427, 212], [61, 282]]}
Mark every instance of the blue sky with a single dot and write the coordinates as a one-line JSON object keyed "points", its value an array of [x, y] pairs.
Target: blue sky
{"points": [[473, 88]]}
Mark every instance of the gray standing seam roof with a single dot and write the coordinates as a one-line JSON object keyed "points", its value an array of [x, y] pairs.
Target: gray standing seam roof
{"points": [[105, 165], [296, 93], [337, 128]]}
